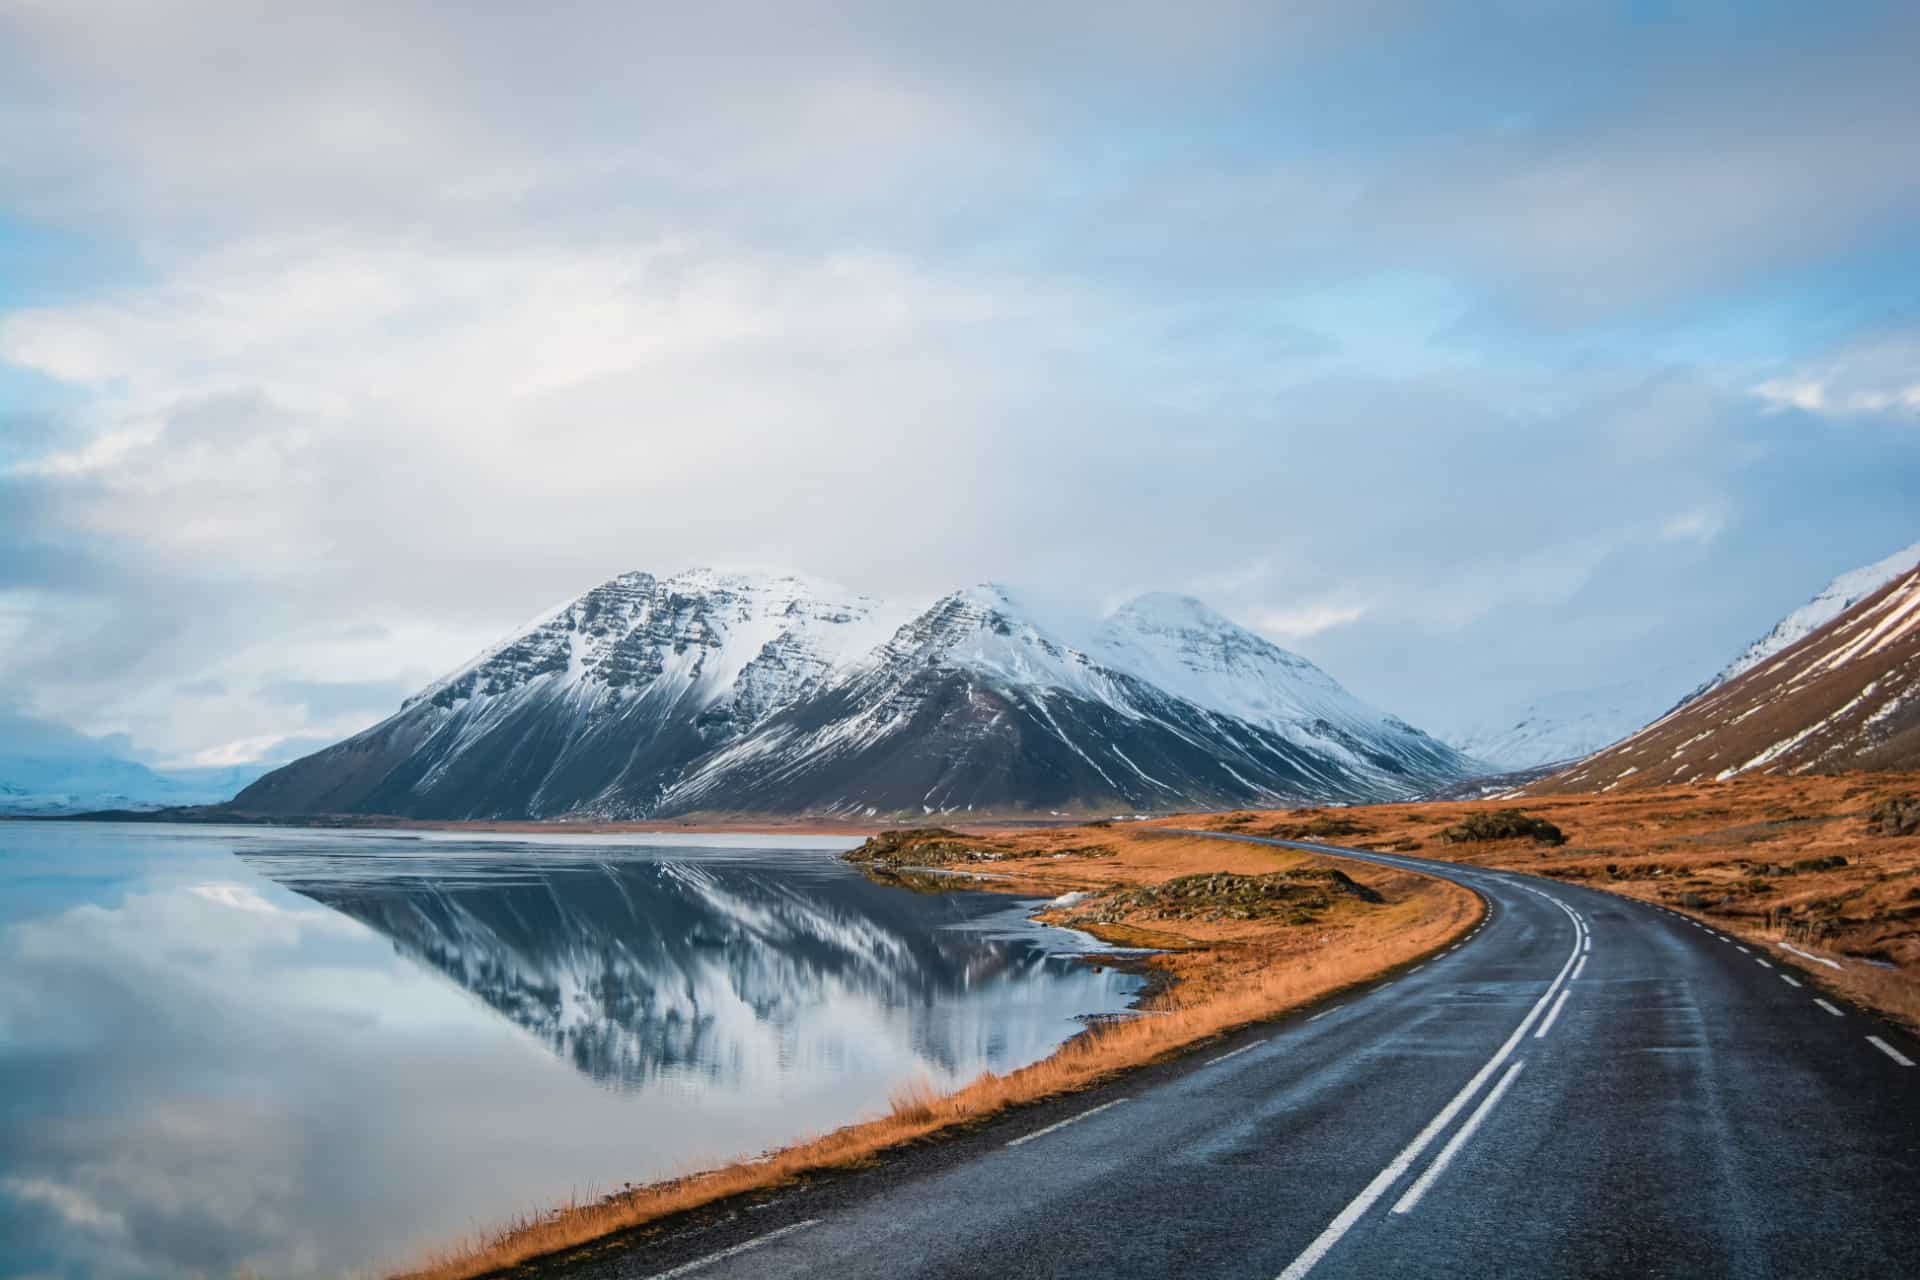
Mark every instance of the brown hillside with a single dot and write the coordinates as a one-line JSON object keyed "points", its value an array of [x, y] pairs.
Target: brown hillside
{"points": [[1846, 697]]}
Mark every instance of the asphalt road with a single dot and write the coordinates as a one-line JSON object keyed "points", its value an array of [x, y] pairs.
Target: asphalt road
{"points": [[1588, 1086]]}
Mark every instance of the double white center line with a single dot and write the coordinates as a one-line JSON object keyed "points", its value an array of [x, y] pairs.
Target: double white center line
{"points": [[1387, 1177]]}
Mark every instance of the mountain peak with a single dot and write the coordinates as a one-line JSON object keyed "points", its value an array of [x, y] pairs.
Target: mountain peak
{"points": [[1170, 609], [710, 690]]}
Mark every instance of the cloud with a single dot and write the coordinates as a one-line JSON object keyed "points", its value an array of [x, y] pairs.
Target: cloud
{"points": [[1875, 376], [415, 324], [1702, 524], [1306, 620]]}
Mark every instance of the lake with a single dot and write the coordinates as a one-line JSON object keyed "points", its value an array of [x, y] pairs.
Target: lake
{"points": [[294, 1051]]}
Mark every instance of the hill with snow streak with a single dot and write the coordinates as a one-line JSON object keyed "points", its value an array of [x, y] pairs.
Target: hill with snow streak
{"points": [[704, 692], [1845, 697], [1834, 599], [1557, 728]]}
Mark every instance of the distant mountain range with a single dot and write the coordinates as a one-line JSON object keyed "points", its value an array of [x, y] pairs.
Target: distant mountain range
{"points": [[36, 785], [48, 769], [705, 692], [1571, 725], [1844, 695], [717, 693]]}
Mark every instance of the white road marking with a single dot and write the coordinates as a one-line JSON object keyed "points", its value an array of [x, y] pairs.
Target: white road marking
{"points": [[1577, 968], [1764, 964], [1553, 1013], [1090, 1111], [1743, 951], [687, 1268], [1792, 982], [1829, 1008], [1324, 1012], [1808, 955], [1890, 1051], [1417, 968], [1383, 986], [1234, 1053], [1588, 946], [1369, 1194], [1460, 1139]]}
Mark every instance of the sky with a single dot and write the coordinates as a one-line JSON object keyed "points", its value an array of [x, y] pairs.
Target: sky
{"points": [[1475, 351]]}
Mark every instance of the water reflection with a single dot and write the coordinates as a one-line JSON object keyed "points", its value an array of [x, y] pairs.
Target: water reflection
{"points": [[377, 1041], [722, 970]]}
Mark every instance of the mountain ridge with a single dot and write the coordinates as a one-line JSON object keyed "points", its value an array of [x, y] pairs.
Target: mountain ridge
{"points": [[1845, 696], [701, 691]]}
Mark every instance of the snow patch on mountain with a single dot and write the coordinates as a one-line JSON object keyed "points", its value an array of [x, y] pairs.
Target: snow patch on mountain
{"points": [[708, 691], [1185, 647], [1834, 599], [1570, 724]]}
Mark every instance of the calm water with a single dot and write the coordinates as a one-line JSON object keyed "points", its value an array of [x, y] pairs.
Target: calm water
{"points": [[301, 1052]]}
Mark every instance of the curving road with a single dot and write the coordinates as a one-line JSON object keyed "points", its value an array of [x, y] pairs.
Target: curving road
{"points": [[1587, 1086]]}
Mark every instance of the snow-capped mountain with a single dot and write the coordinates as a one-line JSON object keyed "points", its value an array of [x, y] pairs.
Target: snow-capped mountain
{"points": [[706, 692], [598, 706], [1834, 599], [1846, 696], [47, 768], [1571, 724]]}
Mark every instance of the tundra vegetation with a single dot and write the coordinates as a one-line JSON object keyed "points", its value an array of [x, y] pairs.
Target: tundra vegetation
{"points": [[1829, 864]]}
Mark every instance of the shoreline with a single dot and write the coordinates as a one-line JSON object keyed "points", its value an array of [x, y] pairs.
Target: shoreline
{"points": [[715, 824], [1217, 976]]}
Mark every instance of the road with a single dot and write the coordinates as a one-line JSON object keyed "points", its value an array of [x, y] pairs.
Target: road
{"points": [[1587, 1086]]}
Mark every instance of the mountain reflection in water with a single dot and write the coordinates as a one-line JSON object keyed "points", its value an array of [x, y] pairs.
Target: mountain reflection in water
{"points": [[299, 1052], [716, 969]]}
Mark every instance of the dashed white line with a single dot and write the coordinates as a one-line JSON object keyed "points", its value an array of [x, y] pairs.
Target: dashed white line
{"points": [[1792, 982], [1764, 964], [688, 1268], [1829, 1008], [1090, 1111], [1460, 1139], [1417, 968], [1324, 1012], [1234, 1053], [1890, 1051], [1577, 968], [1552, 1014], [1743, 951]]}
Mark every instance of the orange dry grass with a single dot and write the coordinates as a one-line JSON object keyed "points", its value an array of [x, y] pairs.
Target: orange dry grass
{"points": [[1239, 973], [1722, 851]]}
